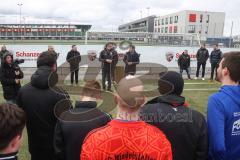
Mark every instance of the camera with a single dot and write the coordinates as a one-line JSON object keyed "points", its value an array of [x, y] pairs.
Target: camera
{"points": [[16, 64]]}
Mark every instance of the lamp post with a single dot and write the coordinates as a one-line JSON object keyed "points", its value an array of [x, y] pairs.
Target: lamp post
{"points": [[20, 18]]}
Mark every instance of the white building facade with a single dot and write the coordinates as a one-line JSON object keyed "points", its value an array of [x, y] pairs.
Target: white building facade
{"points": [[206, 24]]}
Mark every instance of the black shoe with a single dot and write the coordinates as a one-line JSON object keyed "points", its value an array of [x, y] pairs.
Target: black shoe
{"points": [[110, 90]]}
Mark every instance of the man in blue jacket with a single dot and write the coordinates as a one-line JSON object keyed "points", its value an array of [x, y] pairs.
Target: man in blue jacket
{"points": [[224, 111]]}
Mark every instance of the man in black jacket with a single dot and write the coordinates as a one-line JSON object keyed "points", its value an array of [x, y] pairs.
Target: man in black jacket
{"points": [[184, 63], [131, 59], [38, 99], [10, 74], [202, 57], [74, 58], [74, 125], [3, 52], [215, 58], [107, 59], [185, 128]]}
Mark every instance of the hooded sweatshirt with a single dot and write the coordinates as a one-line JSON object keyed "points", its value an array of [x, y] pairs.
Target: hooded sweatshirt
{"points": [[224, 124], [38, 100]]}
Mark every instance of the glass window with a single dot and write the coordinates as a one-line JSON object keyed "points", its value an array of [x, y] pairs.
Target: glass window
{"points": [[191, 29]]}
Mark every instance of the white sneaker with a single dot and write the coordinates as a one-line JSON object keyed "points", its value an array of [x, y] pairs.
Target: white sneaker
{"points": [[203, 79], [196, 78]]}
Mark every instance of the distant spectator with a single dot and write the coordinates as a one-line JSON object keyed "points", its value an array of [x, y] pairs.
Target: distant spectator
{"points": [[215, 58], [126, 136], [52, 51], [74, 125], [3, 52], [184, 63], [38, 99], [74, 58], [12, 123], [131, 59], [224, 111], [202, 57], [186, 129]]}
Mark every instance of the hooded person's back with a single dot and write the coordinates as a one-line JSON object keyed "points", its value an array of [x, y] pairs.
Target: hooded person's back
{"points": [[38, 99], [224, 113]]}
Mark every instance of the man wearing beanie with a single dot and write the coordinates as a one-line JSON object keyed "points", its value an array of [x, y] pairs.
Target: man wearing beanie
{"points": [[126, 137], [185, 128]]}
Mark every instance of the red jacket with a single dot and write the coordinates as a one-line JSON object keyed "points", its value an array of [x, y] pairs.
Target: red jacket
{"points": [[126, 140]]}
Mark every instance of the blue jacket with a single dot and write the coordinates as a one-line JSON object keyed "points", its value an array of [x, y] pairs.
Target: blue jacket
{"points": [[224, 124]]}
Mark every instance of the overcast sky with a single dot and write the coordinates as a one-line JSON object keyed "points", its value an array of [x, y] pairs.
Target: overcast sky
{"points": [[106, 15]]}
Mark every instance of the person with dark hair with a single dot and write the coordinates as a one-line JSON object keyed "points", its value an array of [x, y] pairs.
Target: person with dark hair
{"points": [[131, 59], [107, 59], [74, 125], [52, 51], [127, 136], [38, 99], [3, 52], [215, 58], [74, 58], [184, 63], [186, 129], [223, 113], [12, 123], [202, 57], [10, 75]]}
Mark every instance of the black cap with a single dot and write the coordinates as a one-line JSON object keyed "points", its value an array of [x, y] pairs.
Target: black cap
{"points": [[170, 83]]}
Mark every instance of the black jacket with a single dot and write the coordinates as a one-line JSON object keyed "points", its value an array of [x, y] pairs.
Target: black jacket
{"points": [[10, 156], [73, 58], [106, 54], [184, 61], [74, 126], [216, 56], [131, 57], [8, 76], [185, 128], [38, 101], [202, 55]]}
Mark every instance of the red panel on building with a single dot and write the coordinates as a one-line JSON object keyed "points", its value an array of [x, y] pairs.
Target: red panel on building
{"points": [[192, 17], [170, 29]]}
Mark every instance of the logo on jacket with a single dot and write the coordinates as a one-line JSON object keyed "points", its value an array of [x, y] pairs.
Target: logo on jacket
{"points": [[169, 56], [236, 128]]}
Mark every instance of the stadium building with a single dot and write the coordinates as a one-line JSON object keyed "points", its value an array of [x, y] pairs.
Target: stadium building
{"points": [[206, 24], [141, 25], [43, 31]]}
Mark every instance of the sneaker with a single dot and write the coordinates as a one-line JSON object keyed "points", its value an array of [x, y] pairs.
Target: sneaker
{"points": [[196, 78], [203, 79]]}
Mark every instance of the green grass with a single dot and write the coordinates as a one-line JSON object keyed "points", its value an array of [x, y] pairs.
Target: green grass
{"points": [[195, 97]]}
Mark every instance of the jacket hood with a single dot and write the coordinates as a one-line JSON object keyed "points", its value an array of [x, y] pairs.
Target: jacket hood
{"points": [[172, 100], [233, 92], [44, 78]]}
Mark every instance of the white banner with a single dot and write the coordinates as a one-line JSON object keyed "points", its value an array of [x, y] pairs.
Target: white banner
{"points": [[166, 56]]}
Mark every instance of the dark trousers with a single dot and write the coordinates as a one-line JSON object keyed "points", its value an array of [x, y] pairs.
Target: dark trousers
{"points": [[214, 67], [76, 76], [187, 70], [199, 64], [106, 74]]}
